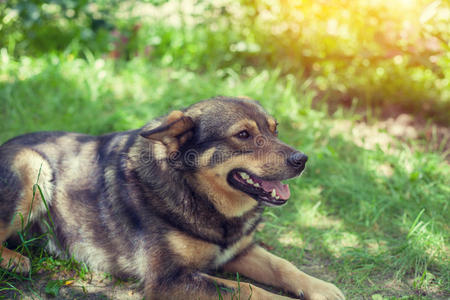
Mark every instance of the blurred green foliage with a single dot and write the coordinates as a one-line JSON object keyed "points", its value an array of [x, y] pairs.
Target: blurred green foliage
{"points": [[36, 27], [387, 55]]}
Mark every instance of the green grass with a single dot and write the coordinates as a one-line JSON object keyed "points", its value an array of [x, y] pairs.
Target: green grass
{"points": [[370, 217]]}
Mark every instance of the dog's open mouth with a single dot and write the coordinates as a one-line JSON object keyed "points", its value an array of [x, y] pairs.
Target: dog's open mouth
{"points": [[272, 193]]}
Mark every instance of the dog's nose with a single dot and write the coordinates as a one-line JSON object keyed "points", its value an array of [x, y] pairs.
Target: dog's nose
{"points": [[297, 159]]}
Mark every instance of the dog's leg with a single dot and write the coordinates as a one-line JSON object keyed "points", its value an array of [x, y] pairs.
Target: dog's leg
{"points": [[19, 205], [269, 269], [9, 259], [201, 286], [10, 222]]}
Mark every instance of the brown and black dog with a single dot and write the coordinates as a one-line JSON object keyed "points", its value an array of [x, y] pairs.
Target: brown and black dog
{"points": [[168, 203]]}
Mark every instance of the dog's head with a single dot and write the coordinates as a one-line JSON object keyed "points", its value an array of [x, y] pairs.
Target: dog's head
{"points": [[230, 150]]}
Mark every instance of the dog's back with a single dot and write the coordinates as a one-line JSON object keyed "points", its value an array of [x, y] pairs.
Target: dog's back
{"points": [[75, 174]]}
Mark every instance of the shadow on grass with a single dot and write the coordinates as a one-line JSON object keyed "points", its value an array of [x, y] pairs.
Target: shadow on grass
{"points": [[369, 226], [36, 290]]}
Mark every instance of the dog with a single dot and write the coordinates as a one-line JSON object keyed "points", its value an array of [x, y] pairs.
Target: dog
{"points": [[169, 203]]}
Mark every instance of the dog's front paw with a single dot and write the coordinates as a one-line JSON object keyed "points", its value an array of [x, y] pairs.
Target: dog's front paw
{"points": [[320, 290], [19, 264]]}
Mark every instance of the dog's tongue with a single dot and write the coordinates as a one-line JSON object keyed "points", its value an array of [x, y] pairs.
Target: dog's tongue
{"points": [[282, 189]]}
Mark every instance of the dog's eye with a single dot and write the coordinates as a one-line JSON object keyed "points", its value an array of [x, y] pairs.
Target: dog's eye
{"points": [[243, 134]]}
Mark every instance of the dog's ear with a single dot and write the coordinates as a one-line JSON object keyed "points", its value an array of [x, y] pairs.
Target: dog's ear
{"points": [[174, 131]]}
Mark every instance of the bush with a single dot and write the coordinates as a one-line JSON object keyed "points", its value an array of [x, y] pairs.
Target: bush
{"points": [[39, 26], [377, 54]]}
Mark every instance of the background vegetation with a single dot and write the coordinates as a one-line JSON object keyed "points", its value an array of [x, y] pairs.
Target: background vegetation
{"points": [[361, 86]]}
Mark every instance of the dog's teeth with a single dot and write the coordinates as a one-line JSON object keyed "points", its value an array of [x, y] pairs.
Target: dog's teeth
{"points": [[250, 181], [244, 175], [274, 193], [256, 185], [277, 197]]}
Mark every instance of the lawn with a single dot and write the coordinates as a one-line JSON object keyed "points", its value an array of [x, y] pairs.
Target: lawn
{"points": [[371, 211]]}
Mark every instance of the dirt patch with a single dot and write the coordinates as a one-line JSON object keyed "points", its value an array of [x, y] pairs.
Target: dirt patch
{"points": [[407, 128], [404, 127], [93, 286]]}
